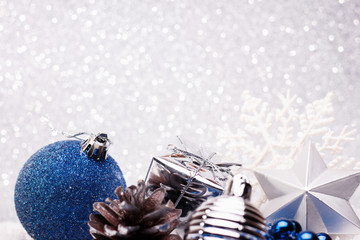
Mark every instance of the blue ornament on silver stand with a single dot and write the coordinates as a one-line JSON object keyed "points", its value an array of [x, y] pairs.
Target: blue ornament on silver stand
{"points": [[58, 185]]}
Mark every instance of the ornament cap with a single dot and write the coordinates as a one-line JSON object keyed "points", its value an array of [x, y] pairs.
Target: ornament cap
{"points": [[239, 186], [96, 146]]}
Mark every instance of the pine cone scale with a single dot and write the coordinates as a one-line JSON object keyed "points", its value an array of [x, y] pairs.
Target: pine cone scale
{"points": [[107, 213], [129, 207], [101, 237], [160, 229], [96, 227], [125, 231], [111, 231], [166, 214], [114, 204], [119, 192], [140, 195], [153, 201]]}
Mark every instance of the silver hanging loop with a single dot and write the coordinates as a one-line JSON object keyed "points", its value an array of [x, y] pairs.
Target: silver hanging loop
{"points": [[96, 146]]}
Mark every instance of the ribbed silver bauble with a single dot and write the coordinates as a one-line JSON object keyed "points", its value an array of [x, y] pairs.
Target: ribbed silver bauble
{"points": [[229, 216]]}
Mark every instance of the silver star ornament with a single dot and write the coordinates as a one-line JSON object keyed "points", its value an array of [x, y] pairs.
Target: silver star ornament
{"points": [[312, 194]]}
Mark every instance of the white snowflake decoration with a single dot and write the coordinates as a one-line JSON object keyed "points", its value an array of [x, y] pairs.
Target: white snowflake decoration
{"points": [[272, 137]]}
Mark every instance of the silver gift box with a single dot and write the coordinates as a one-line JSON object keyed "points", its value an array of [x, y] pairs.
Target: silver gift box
{"points": [[175, 171]]}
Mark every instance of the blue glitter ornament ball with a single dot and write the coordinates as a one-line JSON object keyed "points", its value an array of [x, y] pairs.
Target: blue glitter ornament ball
{"points": [[57, 187]]}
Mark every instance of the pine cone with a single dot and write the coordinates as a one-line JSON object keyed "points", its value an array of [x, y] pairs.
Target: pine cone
{"points": [[134, 217]]}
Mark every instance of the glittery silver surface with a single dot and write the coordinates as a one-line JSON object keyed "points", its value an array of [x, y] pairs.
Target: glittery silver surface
{"points": [[146, 71]]}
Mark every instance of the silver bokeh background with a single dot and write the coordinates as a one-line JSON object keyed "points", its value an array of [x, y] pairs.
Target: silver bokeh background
{"points": [[146, 71]]}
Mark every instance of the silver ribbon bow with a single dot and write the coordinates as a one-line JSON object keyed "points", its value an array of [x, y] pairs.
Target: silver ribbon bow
{"points": [[201, 162]]}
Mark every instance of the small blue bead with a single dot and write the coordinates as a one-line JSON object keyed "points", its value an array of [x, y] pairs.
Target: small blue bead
{"points": [[56, 189], [297, 226], [282, 229], [323, 236], [307, 236]]}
